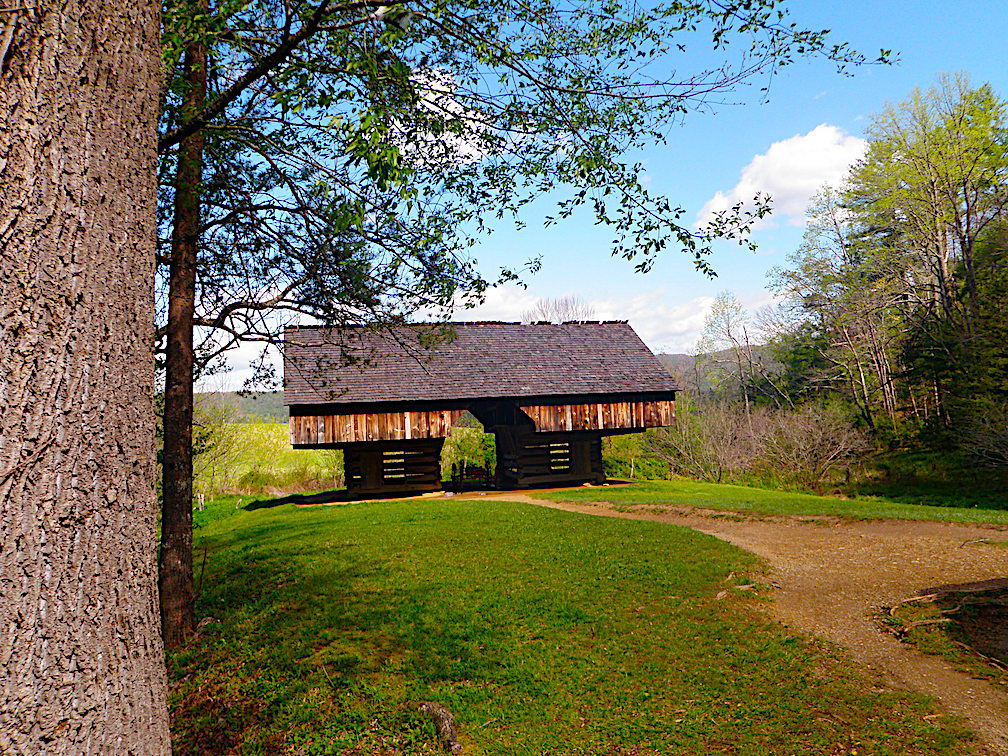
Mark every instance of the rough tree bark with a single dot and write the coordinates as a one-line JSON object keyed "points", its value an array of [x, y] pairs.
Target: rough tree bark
{"points": [[175, 577], [82, 659]]}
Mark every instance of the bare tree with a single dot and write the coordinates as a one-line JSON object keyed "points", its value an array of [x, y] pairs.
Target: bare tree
{"points": [[711, 441], [719, 442], [806, 445], [559, 310], [82, 655], [986, 433], [218, 440]]}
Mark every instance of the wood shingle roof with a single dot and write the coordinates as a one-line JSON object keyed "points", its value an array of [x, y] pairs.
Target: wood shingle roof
{"points": [[483, 361]]}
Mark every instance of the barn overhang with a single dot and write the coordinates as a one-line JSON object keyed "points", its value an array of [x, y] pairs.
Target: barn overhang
{"points": [[547, 393]]}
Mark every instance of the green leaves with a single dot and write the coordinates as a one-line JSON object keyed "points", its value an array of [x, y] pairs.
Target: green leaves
{"points": [[358, 152], [891, 285]]}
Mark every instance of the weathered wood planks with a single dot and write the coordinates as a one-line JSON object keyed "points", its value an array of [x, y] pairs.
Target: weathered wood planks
{"points": [[388, 468], [316, 430], [601, 416], [527, 460]]}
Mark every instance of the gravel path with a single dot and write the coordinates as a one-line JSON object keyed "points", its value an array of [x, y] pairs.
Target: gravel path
{"points": [[832, 574]]}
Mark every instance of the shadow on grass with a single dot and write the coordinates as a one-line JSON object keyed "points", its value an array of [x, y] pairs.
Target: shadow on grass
{"points": [[977, 493], [324, 497], [934, 479], [300, 633], [342, 496]]}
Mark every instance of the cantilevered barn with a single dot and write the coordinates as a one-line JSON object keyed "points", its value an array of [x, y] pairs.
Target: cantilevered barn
{"points": [[547, 392]]}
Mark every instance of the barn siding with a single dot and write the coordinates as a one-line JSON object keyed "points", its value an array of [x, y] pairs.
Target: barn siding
{"points": [[601, 416], [315, 430]]}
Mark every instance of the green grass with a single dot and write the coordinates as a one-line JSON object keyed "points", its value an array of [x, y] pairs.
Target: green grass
{"points": [[932, 478], [762, 501], [543, 632]]}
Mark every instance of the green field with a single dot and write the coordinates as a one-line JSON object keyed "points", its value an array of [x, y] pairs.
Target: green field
{"points": [[543, 632], [761, 501], [257, 459]]}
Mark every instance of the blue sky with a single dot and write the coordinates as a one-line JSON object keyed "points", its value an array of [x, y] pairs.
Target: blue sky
{"points": [[805, 135]]}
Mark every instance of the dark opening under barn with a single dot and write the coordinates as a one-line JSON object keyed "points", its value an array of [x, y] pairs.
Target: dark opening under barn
{"points": [[548, 393]]}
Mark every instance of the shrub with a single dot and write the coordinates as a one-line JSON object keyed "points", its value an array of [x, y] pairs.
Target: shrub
{"points": [[711, 442], [721, 442], [253, 458], [468, 446], [807, 444], [985, 433]]}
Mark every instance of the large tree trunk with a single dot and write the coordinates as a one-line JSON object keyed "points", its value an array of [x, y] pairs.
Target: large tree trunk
{"points": [[83, 665], [175, 580]]}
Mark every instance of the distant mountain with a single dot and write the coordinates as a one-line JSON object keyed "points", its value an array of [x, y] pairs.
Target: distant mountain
{"points": [[267, 407], [680, 367]]}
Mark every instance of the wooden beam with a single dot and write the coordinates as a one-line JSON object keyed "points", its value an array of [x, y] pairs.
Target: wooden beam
{"points": [[308, 431]]}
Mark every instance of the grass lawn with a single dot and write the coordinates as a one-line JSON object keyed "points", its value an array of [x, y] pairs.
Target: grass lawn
{"points": [[771, 502], [543, 632]]}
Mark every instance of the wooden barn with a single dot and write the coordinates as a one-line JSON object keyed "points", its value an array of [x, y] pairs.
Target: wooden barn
{"points": [[547, 392]]}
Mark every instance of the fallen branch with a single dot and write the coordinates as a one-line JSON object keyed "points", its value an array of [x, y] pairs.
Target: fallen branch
{"points": [[199, 589], [911, 600], [923, 623], [989, 659], [444, 724], [975, 540], [203, 623]]}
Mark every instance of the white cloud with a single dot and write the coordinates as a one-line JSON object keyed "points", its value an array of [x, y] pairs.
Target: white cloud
{"points": [[239, 367], [791, 171], [508, 303], [664, 325]]}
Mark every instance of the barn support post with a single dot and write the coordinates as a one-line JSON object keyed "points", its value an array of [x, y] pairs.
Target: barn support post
{"points": [[526, 458]]}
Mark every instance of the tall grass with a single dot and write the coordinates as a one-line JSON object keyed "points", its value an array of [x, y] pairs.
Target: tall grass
{"points": [[253, 458]]}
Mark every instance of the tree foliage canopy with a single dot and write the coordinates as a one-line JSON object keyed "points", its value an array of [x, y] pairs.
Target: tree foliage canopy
{"points": [[899, 284], [355, 151]]}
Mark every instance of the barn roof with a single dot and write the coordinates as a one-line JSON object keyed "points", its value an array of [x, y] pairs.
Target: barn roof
{"points": [[483, 361]]}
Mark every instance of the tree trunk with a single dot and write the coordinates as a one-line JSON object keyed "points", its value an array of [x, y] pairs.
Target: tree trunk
{"points": [[79, 644], [175, 580]]}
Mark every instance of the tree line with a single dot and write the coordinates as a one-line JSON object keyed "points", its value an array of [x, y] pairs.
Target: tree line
{"points": [[896, 298], [891, 324]]}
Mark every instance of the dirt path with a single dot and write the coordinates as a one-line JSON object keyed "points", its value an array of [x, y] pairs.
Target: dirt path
{"points": [[831, 574]]}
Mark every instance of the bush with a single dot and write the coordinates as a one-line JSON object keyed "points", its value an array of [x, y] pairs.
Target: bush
{"points": [[985, 435], [254, 458], [721, 443], [712, 442], [806, 445], [625, 456]]}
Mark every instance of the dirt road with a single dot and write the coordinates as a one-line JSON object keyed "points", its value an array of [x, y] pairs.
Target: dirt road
{"points": [[832, 574]]}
